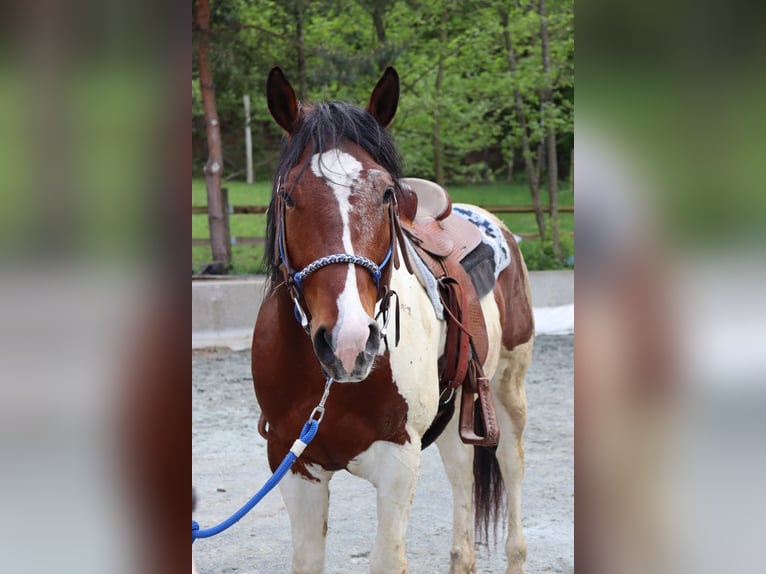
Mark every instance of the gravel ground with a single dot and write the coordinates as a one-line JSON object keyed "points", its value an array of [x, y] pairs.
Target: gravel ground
{"points": [[229, 465]]}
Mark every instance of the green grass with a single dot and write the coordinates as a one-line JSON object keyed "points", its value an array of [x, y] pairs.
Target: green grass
{"points": [[246, 259]]}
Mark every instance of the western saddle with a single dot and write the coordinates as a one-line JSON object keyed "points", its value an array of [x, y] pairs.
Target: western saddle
{"points": [[443, 240]]}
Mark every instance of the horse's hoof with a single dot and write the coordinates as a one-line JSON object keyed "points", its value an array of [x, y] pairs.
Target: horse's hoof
{"points": [[461, 564]]}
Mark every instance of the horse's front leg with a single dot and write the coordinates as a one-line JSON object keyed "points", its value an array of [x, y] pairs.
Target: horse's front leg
{"points": [[307, 503], [458, 464], [393, 470]]}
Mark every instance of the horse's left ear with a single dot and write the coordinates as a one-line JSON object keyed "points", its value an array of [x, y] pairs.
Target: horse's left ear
{"points": [[385, 98]]}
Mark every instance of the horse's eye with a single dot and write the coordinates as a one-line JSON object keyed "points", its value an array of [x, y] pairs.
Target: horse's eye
{"points": [[286, 197], [388, 194]]}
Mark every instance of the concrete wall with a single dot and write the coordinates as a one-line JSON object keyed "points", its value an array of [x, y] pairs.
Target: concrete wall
{"points": [[552, 288], [224, 310]]}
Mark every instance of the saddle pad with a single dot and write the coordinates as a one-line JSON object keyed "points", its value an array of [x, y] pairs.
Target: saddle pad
{"points": [[426, 279], [483, 263], [490, 231], [480, 266]]}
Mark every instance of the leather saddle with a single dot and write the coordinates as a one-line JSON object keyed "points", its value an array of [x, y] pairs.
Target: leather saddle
{"points": [[442, 240]]}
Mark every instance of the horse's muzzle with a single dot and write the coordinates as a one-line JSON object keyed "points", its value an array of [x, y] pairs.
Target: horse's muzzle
{"points": [[350, 361]]}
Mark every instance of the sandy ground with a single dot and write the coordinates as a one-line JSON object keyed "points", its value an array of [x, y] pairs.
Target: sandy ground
{"points": [[229, 465]]}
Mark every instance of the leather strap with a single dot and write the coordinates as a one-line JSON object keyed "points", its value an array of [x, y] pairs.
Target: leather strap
{"points": [[457, 346], [396, 230]]}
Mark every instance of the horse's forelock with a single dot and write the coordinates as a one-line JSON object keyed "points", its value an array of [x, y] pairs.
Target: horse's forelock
{"points": [[325, 126]]}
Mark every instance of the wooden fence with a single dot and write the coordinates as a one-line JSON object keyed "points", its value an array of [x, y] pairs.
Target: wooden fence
{"points": [[261, 210]]}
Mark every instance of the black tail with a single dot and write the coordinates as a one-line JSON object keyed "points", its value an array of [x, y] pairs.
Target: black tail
{"points": [[488, 493]]}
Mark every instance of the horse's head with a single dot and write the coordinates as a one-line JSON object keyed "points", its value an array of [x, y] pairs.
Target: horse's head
{"points": [[331, 222]]}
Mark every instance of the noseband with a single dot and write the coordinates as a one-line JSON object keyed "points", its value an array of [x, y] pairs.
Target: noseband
{"points": [[294, 279]]}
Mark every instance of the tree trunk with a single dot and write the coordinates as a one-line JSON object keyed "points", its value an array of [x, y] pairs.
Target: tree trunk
{"points": [[214, 166], [436, 133], [529, 163], [380, 33], [301, 49], [571, 169], [548, 118]]}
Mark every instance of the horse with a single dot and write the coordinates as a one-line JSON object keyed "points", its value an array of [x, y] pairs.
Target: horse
{"points": [[334, 254]]}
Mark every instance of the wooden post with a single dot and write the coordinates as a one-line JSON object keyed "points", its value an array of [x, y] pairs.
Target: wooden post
{"points": [[248, 140], [510, 166]]}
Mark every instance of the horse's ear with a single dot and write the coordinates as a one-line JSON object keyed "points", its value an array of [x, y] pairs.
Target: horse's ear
{"points": [[385, 98], [283, 104]]}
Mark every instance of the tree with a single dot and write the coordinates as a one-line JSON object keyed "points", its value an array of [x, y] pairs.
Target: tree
{"points": [[213, 168], [300, 50], [436, 139], [529, 160], [548, 118], [472, 74]]}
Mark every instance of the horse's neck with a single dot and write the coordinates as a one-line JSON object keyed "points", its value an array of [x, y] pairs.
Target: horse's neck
{"points": [[406, 284], [416, 308]]}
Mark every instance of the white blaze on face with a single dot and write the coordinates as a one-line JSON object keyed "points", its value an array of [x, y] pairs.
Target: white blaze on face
{"points": [[340, 171]]}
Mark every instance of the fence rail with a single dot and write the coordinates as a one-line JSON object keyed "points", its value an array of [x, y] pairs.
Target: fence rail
{"points": [[262, 209]]}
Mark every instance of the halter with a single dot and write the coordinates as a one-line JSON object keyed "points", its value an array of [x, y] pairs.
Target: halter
{"points": [[295, 279]]}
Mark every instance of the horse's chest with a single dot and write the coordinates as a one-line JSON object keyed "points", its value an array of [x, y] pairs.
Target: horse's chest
{"points": [[361, 415], [356, 416]]}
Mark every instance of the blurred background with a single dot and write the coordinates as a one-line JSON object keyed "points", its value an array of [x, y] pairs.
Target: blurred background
{"points": [[93, 341], [96, 162], [670, 366]]}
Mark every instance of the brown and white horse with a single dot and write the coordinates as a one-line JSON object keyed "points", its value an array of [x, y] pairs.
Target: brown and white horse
{"points": [[335, 195]]}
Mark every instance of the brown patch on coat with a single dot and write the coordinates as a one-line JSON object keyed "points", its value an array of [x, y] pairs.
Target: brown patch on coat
{"points": [[289, 382], [513, 298]]}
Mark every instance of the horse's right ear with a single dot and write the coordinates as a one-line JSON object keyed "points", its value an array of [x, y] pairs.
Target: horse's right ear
{"points": [[283, 104]]}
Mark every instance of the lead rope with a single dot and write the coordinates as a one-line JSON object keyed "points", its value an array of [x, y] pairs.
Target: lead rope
{"points": [[308, 433]]}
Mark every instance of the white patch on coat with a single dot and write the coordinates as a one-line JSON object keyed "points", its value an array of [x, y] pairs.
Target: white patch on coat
{"points": [[341, 171], [307, 503], [393, 469], [494, 333], [413, 361]]}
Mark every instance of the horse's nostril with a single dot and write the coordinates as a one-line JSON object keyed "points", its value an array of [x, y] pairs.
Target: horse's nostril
{"points": [[323, 344], [373, 341]]}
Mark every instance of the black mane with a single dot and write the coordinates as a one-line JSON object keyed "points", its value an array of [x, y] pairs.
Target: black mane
{"points": [[324, 127]]}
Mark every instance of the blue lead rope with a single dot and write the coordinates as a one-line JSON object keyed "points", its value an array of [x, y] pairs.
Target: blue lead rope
{"points": [[307, 435]]}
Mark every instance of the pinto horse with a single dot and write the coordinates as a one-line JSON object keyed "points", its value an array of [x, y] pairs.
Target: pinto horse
{"points": [[334, 257]]}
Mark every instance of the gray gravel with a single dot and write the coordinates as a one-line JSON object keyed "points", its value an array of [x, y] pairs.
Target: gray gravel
{"points": [[229, 465]]}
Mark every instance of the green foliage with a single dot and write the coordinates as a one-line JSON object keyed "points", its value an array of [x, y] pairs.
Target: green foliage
{"points": [[347, 44], [344, 57], [539, 255]]}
